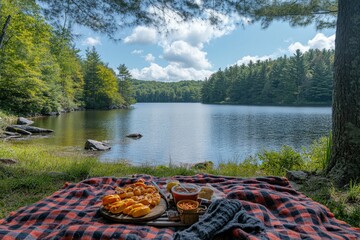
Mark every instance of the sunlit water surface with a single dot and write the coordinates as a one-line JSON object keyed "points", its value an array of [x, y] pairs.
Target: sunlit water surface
{"points": [[189, 132]]}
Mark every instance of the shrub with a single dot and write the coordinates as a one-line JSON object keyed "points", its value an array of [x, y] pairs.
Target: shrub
{"points": [[354, 191], [277, 163], [318, 156]]}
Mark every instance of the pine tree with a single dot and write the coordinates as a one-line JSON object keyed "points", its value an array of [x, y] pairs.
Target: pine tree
{"points": [[125, 86], [92, 81]]}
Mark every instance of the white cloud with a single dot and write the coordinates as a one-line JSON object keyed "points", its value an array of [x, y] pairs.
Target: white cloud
{"points": [[185, 55], [320, 41], [182, 44], [172, 72], [246, 60], [153, 72], [142, 35], [90, 41], [149, 57], [295, 46], [137, 51], [199, 31]]}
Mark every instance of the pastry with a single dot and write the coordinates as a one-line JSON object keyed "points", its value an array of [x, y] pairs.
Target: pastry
{"points": [[135, 199], [140, 211]]}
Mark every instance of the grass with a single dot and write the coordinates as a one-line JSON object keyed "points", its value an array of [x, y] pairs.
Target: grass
{"points": [[339, 201], [42, 170], [354, 192], [5, 120]]}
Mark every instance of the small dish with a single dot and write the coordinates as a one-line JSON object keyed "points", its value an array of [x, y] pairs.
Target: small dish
{"points": [[185, 191], [187, 206], [189, 211]]}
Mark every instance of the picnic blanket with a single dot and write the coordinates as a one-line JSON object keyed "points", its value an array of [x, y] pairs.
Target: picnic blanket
{"points": [[72, 212]]}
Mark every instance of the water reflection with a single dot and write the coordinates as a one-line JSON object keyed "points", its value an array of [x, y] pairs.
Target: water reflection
{"points": [[189, 132]]}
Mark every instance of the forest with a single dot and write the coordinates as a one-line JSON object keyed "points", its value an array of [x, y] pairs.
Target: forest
{"points": [[302, 79], [41, 71], [153, 91]]}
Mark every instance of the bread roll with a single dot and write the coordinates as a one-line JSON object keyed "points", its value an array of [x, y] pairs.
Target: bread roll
{"points": [[140, 211], [128, 209], [119, 207], [108, 199]]}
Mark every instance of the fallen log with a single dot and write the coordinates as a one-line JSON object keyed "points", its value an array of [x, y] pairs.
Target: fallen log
{"points": [[30, 129]]}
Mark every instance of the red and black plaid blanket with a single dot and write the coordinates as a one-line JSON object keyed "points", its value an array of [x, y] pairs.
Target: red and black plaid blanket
{"points": [[72, 212]]}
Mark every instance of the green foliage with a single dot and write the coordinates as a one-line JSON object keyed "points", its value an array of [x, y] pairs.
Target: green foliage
{"points": [[303, 79], [108, 95], [26, 64], [5, 120], [41, 72], [152, 91], [29, 72], [316, 158], [336, 200], [102, 17], [125, 86], [71, 82], [277, 163], [354, 191], [297, 13], [101, 85]]}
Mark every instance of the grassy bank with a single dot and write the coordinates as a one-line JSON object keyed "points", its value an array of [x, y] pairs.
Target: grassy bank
{"points": [[38, 173], [5, 120]]}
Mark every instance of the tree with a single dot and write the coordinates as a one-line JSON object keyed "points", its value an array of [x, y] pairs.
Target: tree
{"points": [[71, 80], [345, 160], [152, 91], [101, 85], [297, 72], [320, 82], [91, 63], [28, 70], [107, 95], [125, 86]]}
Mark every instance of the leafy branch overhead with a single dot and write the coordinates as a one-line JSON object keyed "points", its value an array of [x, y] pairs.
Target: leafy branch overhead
{"points": [[112, 16], [300, 13]]}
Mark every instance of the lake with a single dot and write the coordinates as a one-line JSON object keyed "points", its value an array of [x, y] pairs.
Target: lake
{"points": [[189, 132]]}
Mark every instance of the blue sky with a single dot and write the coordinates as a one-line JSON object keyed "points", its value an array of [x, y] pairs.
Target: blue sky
{"points": [[192, 51]]}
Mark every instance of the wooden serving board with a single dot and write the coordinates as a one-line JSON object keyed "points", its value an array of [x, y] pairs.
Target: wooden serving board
{"points": [[154, 213]]}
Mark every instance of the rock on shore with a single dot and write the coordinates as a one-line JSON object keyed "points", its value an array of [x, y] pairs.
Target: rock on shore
{"points": [[24, 121], [96, 145]]}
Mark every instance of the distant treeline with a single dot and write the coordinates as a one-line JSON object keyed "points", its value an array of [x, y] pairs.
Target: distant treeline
{"points": [[303, 79], [41, 71], [153, 91]]}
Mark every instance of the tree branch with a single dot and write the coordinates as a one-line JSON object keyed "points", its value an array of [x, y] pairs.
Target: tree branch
{"points": [[311, 13], [3, 32]]}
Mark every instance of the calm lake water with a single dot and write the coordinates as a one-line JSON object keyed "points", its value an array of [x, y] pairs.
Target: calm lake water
{"points": [[189, 132]]}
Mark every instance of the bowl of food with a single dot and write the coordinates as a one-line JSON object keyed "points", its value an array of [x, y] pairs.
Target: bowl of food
{"points": [[189, 211], [184, 191], [187, 206]]}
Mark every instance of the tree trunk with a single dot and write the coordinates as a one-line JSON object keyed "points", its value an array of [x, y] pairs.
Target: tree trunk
{"points": [[345, 158], [3, 32]]}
